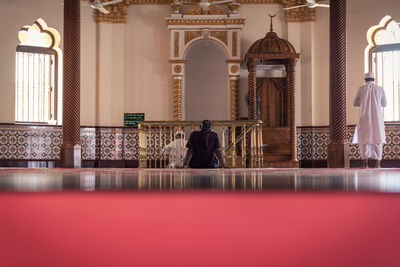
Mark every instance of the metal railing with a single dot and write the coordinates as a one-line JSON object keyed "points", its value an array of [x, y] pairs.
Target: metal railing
{"points": [[162, 143]]}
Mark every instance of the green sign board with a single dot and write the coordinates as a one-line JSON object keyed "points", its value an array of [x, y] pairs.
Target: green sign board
{"points": [[131, 119]]}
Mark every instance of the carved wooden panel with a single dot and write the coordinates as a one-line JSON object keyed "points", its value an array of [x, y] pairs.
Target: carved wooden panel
{"points": [[273, 111], [278, 148], [271, 104], [272, 94]]}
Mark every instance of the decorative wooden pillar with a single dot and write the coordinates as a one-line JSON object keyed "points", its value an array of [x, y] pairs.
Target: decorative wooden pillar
{"points": [[292, 108], [233, 83], [338, 148], [178, 97], [251, 65], [70, 148]]}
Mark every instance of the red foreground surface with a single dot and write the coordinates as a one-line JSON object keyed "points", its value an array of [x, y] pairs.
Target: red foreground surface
{"points": [[199, 229]]}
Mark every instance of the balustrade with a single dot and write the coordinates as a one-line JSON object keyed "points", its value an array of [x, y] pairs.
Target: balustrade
{"points": [[159, 147]]}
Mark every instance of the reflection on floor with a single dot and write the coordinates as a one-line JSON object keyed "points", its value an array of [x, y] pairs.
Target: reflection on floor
{"points": [[348, 180]]}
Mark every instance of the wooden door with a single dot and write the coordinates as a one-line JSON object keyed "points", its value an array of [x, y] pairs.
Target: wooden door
{"points": [[273, 111], [271, 103]]}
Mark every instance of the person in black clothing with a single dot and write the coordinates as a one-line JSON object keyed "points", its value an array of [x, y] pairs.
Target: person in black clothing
{"points": [[203, 146]]}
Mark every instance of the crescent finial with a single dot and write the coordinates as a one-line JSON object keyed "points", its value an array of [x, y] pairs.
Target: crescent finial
{"points": [[271, 28]]}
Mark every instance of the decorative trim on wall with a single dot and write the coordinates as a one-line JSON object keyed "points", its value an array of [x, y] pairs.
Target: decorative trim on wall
{"points": [[118, 11], [234, 43], [299, 14], [190, 35], [233, 82], [167, 2], [176, 44], [221, 35], [177, 83], [199, 21], [312, 143], [185, 31], [198, 10], [302, 14], [43, 143], [117, 14], [22, 143]]}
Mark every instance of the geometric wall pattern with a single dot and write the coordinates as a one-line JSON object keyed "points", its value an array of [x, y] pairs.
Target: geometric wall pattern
{"points": [[121, 143], [44, 142], [313, 142]]}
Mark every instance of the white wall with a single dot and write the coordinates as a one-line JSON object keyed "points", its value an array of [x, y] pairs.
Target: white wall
{"points": [[320, 92], [148, 75], [138, 78], [89, 63]]}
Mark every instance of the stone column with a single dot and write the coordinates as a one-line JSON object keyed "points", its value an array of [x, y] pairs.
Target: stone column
{"points": [[292, 109], [233, 83], [178, 97], [70, 148], [338, 148], [251, 65]]}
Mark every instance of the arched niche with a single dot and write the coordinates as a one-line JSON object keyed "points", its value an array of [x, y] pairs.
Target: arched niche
{"points": [[223, 30], [206, 78]]}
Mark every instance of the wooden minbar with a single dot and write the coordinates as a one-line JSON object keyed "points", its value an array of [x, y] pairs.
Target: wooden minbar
{"points": [[271, 62]]}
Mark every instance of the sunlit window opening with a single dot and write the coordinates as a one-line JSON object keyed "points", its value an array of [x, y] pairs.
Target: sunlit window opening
{"points": [[383, 58], [38, 94]]}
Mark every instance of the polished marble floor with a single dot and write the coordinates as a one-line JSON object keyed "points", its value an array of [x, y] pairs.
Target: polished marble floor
{"points": [[185, 217], [257, 180]]}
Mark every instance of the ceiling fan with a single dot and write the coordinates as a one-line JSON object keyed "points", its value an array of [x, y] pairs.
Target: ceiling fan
{"points": [[309, 4], [96, 4], [205, 4]]}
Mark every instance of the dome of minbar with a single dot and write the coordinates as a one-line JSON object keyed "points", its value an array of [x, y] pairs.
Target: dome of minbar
{"points": [[271, 44]]}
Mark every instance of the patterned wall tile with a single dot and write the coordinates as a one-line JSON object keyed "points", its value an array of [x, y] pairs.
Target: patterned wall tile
{"points": [[102, 143], [313, 143], [30, 142], [44, 143], [131, 144], [88, 143]]}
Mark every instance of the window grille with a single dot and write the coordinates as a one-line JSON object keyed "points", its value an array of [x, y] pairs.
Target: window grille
{"points": [[38, 75], [383, 59]]}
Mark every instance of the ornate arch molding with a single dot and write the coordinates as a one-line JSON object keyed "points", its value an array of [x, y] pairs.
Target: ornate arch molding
{"points": [[382, 37], [188, 29], [219, 37], [118, 11]]}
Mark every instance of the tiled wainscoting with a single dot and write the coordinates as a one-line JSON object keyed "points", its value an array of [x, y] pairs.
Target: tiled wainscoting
{"points": [[39, 146], [312, 144]]}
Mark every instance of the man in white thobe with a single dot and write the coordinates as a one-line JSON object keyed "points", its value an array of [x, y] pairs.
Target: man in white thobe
{"points": [[370, 130], [176, 150]]}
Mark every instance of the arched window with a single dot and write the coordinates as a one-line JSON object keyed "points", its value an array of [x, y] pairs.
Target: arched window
{"points": [[382, 57], [38, 79]]}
